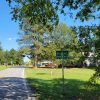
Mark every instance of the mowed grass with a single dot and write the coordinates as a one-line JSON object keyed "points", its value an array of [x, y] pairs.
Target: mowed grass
{"points": [[2, 67], [47, 84]]}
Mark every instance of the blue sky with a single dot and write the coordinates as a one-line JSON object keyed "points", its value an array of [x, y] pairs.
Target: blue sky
{"points": [[9, 28]]}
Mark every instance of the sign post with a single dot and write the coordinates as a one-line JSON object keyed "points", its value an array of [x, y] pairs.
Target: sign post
{"points": [[62, 55]]}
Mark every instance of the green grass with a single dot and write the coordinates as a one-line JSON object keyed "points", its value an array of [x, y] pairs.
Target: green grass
{"points": [[2, 67], [49, 86]]}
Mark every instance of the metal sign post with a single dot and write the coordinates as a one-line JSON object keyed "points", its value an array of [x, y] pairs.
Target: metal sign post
{"points": [[63, 75], [62, 55]]}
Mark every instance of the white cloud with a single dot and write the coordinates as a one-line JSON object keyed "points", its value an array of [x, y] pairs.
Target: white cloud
{"points": [[10, 39]]}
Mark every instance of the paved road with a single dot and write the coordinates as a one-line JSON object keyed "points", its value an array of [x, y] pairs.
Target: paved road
{"points": [[13, 85]]}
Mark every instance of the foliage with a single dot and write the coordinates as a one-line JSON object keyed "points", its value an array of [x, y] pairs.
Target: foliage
{"points": [[41, 45], [1, 54], [96, 31], [11, 57], [32, 41], [86, 41], [64, 38], [89, 39], [96, 76], [45, 11], [41, 10]]}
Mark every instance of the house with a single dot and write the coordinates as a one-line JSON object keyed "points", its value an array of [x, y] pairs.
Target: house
{"points": [[91, 61]]}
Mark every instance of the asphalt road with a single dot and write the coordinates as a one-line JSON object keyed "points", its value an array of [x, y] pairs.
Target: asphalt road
{"points": [[13, 85]]}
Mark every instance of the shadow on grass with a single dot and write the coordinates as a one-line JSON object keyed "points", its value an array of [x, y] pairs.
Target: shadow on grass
{"points": [[41, 73], [73, 89]]}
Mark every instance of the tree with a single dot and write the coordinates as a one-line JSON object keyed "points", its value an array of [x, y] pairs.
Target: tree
{"points": [[96, 31], [19, 57], [86, 39], [32, 41], [96, 75], [64, 38], [44, 11], [1, 55], [6, 58], [12, 56]]}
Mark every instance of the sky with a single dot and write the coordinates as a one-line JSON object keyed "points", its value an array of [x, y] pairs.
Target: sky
{"points": [[9, 28]]}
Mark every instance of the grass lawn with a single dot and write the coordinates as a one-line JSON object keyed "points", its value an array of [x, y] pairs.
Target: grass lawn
{"points": [[2, 67], [48, 84]]}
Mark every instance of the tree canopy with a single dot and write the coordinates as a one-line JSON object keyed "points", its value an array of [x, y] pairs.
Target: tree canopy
{"points": [[46, 11]]}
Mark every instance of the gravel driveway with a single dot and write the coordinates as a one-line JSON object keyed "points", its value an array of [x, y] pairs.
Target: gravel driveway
{"points": [[13, 85]]}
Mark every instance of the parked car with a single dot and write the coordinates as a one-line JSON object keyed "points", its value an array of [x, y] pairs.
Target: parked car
{"points": [[46, 64], [50, 65]]}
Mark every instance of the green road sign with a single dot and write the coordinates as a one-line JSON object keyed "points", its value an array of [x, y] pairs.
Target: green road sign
{"points": [[61, 54]]}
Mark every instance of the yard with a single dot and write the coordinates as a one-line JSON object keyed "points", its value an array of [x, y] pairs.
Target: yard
{"points": [[48, 84]]}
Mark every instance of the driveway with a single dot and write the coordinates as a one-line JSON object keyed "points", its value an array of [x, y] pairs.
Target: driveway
{"points": [[13, 85]]}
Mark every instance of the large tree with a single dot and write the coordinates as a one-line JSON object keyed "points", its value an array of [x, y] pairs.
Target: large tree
{"points": [[32, 41], [63, 38]]}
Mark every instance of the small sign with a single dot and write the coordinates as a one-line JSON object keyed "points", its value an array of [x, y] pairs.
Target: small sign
{"points": [[61, 54]]}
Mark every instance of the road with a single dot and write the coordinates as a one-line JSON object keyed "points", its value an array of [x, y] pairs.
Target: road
{"points": [[13, 85]]}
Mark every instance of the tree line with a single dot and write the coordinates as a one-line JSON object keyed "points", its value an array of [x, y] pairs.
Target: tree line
{"points": [[11, 57], [39, 44]]}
